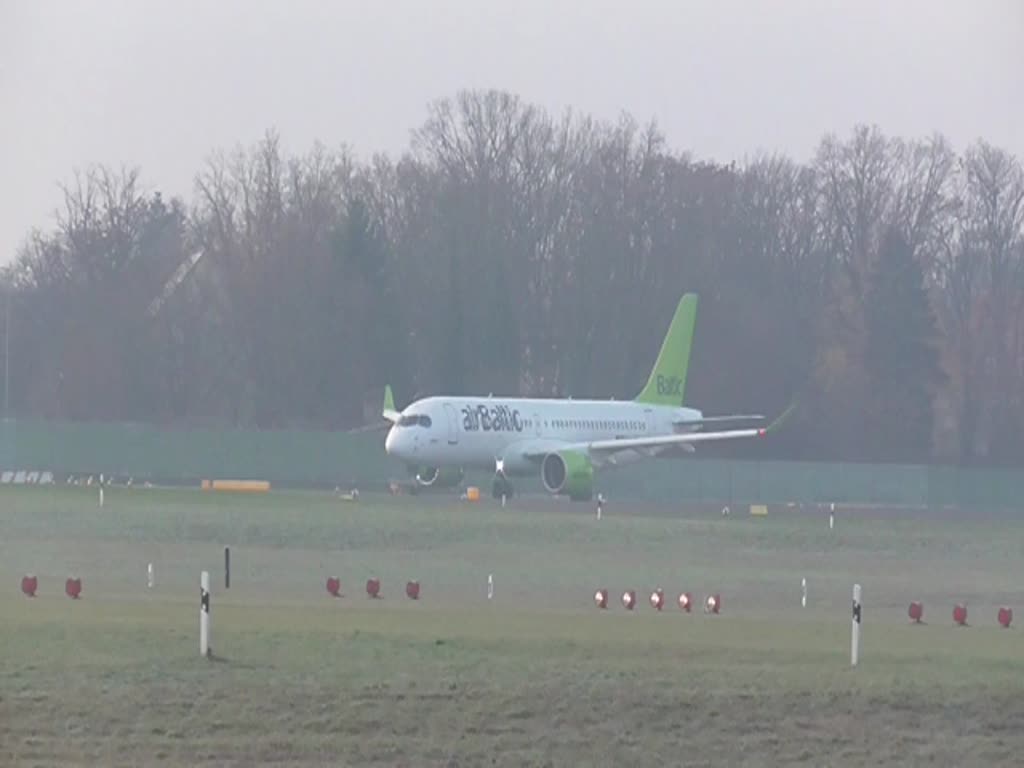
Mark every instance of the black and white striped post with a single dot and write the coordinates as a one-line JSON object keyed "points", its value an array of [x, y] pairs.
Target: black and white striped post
{"points": [[204, 614], [227, 568], [855, 636]]}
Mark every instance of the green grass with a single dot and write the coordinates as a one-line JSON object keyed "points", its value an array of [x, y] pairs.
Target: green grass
{"points": [[538, 676]]}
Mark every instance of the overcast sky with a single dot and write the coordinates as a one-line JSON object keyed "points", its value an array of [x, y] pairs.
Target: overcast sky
{"points": [[158, 85]]}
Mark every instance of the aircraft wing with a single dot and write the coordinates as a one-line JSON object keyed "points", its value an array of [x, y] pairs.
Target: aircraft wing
{"points": [[607, 451], [685, 438], [535, 450], [377, 427], [700, 423]]}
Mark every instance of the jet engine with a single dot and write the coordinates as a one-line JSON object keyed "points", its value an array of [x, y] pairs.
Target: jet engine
{"points": [[568, 473]]}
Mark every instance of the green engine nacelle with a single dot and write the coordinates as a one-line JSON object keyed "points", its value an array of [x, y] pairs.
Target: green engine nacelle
{"points": [[435, 477], [568, 473]]}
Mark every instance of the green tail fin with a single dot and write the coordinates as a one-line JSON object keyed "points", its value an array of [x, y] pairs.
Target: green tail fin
{"points": [[667, 383]]}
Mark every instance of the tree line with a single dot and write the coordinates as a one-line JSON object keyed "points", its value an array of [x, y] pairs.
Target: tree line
{"points": [[512, 251]]}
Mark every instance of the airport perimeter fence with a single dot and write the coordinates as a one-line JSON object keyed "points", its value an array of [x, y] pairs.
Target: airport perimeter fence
{"points": [[301, 459]]}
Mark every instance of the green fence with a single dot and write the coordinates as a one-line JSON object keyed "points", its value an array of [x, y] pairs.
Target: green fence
{"points": [[145, 452], [297, 459], [769, 482]]}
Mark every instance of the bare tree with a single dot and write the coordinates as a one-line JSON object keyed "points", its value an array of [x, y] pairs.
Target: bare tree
{"points": [[511, 251]]}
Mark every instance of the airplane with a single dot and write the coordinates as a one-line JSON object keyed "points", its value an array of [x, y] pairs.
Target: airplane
{"points": [[564, 440]]}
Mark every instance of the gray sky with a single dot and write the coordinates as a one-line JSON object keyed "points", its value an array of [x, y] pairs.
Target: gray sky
{"points": [[159, 85]]}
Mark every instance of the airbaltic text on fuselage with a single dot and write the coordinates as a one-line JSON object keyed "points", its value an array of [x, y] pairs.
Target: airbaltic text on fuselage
{"points": [[494, 418]]}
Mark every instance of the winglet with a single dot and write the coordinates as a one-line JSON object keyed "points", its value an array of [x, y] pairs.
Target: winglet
{"points": [[389, 411], [781, 419], [667, 382]]}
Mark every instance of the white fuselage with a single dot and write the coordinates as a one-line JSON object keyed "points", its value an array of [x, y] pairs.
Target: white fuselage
{"points": [[476, 432]]}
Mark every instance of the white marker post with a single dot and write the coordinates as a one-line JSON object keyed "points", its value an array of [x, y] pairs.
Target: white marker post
{"points": [[855, 636], [803, 595], [149, 576], [490, 586], [204, 614], [101, 495], [831, 515]]}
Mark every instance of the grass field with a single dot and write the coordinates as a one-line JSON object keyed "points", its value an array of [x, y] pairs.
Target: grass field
{"points": [[538, 676]]}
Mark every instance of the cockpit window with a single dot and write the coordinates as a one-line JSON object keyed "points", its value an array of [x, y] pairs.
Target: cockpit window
{"points": [[414, 419]]}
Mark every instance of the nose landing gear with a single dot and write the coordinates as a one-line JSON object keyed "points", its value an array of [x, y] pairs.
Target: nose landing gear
{"points": [[502, 487]]}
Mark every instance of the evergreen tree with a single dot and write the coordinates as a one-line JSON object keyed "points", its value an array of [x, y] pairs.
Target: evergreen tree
{"points": [[901, 359]]}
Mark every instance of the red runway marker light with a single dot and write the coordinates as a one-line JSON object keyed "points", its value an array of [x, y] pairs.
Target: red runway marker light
{"points": [[713, 604], [629, 599], [1005, 617], [601, 598], [412, 590], [373, 588], [685, 602], [333, 586], [73, 588], [915, 612], [960, 614], [658, 599], [29, 585]]}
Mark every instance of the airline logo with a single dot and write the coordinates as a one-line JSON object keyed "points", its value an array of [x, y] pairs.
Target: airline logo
{"points": [[669, 385], [496, 418]]}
